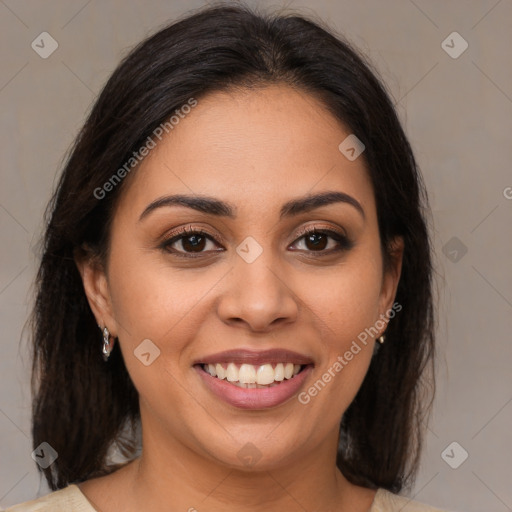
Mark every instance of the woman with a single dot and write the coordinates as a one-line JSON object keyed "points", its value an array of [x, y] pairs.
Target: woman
{"points": [[242, 218]]}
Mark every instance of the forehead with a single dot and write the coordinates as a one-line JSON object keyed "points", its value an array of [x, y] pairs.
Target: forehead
{"points": [[250, 147]]}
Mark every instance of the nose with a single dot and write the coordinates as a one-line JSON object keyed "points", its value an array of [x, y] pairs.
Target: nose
{"points": [[258, 295]]}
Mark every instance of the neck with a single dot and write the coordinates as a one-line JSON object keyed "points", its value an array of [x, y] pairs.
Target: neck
{"points": [[169, 474]]}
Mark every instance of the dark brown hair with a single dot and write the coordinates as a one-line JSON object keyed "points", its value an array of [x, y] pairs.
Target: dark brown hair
{"points": [[83, 406]]}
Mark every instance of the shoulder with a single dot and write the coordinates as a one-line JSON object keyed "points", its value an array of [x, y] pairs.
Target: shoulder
{"points": [[69, 499], [386, 501]]}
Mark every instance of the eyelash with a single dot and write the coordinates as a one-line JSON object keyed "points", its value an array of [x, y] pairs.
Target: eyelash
{"points": [[344, 242]]}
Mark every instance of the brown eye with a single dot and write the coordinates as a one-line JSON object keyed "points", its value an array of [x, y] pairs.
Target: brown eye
{"points": [[324, 241], [316, 241], [189, 241], [193, 243]]}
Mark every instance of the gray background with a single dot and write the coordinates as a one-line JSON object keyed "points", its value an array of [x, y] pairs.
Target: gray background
{"points": [[457, 113]]}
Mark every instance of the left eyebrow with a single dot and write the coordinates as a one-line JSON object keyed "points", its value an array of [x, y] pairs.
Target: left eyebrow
{"points": [[310, 202]]}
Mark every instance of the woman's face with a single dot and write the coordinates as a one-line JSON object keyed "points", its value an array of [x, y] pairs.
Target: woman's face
{"points": [[254, 289]]}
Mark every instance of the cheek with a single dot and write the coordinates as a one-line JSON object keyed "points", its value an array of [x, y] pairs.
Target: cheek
{"points": [[150, 300], [347, 350], [346, 300], [345, 306], [151, 303]]}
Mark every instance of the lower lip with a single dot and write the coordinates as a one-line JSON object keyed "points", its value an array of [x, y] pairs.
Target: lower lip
{"points": [[254, 398]]}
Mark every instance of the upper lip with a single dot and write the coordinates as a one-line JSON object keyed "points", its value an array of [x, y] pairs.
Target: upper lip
{"points": [[254, 357]]}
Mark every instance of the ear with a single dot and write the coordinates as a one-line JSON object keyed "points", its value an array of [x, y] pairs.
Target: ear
{"points": [[391, 275], [96, 288]]}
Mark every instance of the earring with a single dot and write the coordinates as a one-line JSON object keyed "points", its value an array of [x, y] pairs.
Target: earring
{"points": [[108, 344], [382, 339]]}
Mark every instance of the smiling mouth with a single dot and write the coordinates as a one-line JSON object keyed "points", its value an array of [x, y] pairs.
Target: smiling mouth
{"points": [[251, 376]]}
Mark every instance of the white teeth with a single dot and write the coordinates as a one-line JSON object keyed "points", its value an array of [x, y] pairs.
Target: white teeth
{"points": [[247, 374], [265, 374], [220, 372], [279, 372], [250, 376], [232, 372]]}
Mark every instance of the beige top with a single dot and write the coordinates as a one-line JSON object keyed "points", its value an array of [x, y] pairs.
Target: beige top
{"points": [[71, 499]]}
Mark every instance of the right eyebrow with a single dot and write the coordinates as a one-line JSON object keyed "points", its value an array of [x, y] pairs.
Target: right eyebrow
{"points": [[203, 204]]}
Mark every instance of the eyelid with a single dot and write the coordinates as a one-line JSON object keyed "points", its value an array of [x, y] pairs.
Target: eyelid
{"points": [[306, 230], [177, 233]]}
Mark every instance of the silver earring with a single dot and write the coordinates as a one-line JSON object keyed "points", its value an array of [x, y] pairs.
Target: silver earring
{"points": [[382, 339], [108, 344]]}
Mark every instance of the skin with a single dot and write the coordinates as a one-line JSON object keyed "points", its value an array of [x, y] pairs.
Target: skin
{"points": [[255, 150]]}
